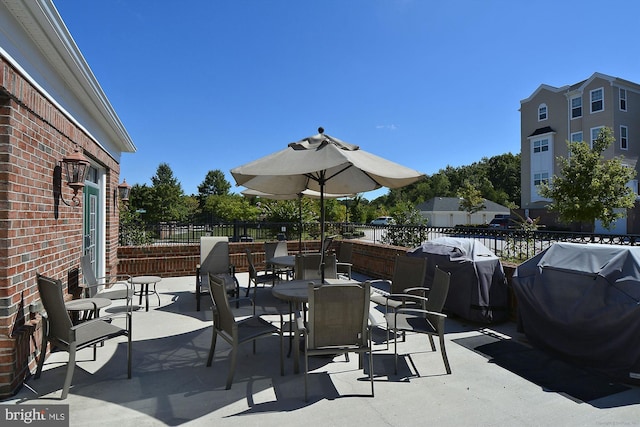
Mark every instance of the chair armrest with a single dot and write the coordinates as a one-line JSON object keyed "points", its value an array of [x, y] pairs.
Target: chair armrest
{"points": [[422, 312], [421, 289], [380, 281], [404, 297]]}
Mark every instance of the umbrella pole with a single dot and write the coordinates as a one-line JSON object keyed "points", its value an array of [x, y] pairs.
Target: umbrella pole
{"points": [[300, 219], [321, 181]]}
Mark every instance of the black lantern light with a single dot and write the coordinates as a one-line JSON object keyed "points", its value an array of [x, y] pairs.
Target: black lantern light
{"points": [[76, 167]]}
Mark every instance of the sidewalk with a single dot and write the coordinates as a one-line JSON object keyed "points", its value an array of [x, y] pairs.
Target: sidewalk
{"points": [[172, 386]]}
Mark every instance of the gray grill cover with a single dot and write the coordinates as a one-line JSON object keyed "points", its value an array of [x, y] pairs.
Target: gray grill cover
{"points": [[478, 288], [582, 302]]}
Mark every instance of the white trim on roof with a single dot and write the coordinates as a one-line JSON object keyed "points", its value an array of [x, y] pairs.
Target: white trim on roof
{"points": [[35, 40]]}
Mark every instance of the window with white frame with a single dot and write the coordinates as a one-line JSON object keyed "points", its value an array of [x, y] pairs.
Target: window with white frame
{"points": [[597, 100], [541, 164], [623, 99], [624, 138], [540, 145], [594, 135], [576, 137], [576, 107], [542, 112], [540, 178]]}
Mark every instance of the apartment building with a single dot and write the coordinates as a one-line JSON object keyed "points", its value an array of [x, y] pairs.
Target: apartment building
{"points": [[552, 116]]}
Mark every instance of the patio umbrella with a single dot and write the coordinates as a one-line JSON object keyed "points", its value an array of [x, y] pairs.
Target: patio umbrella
{"points": [[299, 196], [324, 164]]}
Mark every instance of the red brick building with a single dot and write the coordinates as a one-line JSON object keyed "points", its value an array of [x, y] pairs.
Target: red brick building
{"points": [[50, 103]]}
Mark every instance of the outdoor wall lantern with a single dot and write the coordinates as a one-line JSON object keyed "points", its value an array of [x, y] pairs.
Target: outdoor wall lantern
{"points": [[123, 191], [75, 167]]}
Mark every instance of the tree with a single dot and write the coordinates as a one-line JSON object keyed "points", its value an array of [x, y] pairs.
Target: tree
{"points": [[589, 186], [471, 198], [230, 207], [406, 215], [166, 195], [214, 184]]}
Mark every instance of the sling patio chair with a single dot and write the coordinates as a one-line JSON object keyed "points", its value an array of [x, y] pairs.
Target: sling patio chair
{"points": [[408, 273], [308, 266], [277, 249], [258, 277], [422, 314], [61, 333], [214, 259], [344, 260], [110, 287], [338, 323], [237, 332]]}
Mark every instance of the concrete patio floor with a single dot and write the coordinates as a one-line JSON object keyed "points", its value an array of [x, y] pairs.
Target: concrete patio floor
{"points": [[172, 386]]}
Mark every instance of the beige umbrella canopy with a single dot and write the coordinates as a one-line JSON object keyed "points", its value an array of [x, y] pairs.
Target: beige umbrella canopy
{"points": [[324, 164]]}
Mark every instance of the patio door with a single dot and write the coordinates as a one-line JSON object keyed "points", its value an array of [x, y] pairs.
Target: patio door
{"points": [[91, 229]]}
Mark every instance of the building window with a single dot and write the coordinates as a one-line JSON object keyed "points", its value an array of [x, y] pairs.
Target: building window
{"points": [[576, 137], [597, 102], [623, 99], [576, 107], [624, 141], [540, 145], [594, 134], [542, 112], [540, 178]]}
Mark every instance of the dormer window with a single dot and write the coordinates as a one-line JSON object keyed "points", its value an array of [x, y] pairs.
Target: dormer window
{"points": [[542, 112]]}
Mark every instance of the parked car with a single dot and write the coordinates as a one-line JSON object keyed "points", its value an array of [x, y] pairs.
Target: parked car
{"points": [[382, 220], [501, 223]]}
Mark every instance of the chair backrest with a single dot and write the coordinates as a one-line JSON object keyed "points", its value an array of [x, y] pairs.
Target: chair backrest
{"points": [[438, 291], [88, 274], [253, 273], [338, 315], [346, 251], [308, 267], [274, 249], [214, 255], [327, 242], [408, 272], [53, 302], [223, 318]]}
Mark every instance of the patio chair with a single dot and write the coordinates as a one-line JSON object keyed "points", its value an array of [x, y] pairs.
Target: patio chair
{"points": [[60, 332], [408, 273], [308, 267], [344, 260], [237, 332], [110, 287], [214, 259], [258, 277], [276, 249], [422, 314], [337, 324]]}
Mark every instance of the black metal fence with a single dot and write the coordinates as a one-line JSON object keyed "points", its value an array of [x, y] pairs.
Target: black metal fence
{"points": [[509, 244]]}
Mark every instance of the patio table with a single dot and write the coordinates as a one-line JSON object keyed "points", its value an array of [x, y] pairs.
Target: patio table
{"points": [[88, 306], [144, 282]]}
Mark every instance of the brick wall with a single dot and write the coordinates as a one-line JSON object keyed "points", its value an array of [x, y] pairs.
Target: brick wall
{"points": [[38, 232], [181, 260]]}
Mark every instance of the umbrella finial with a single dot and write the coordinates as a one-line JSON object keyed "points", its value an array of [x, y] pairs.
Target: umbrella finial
{"points": [[320, 129]]}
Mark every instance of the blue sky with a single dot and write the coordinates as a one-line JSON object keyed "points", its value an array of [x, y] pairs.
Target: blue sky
{"points": [[213, 84]]}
